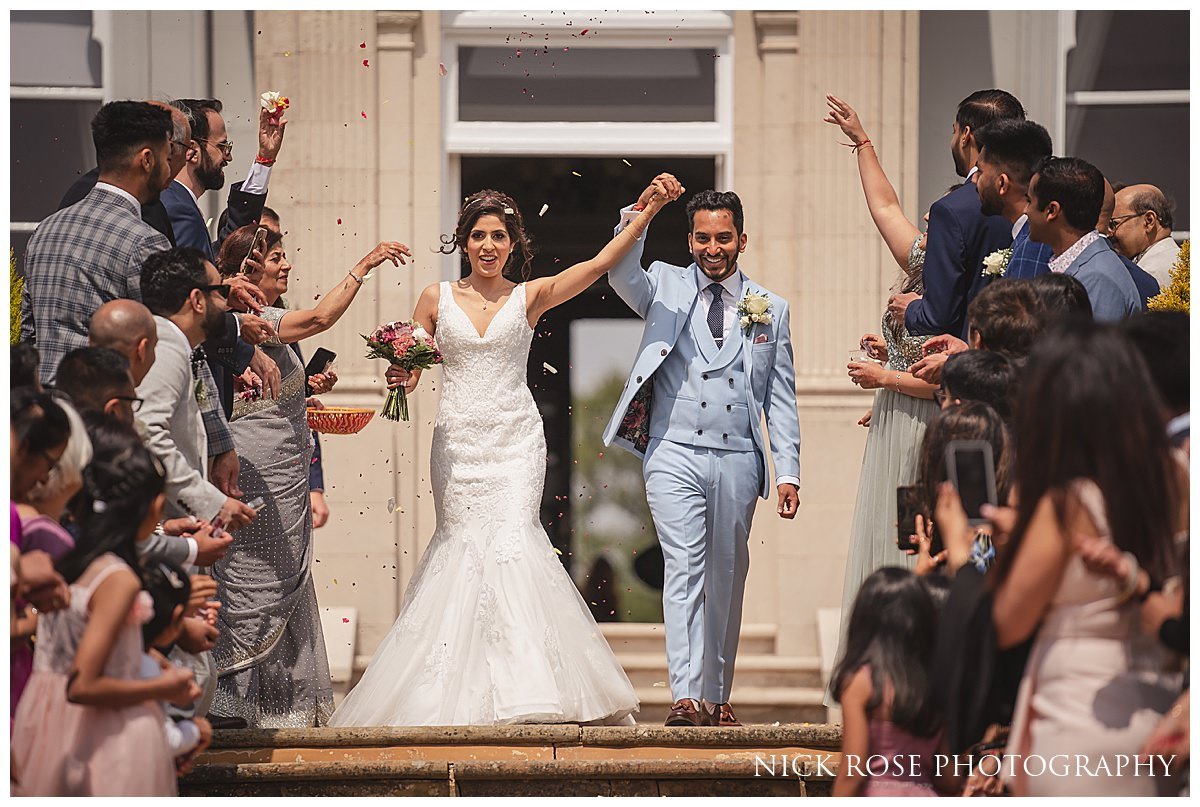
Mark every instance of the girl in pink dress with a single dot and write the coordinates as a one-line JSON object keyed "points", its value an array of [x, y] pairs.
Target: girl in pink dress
{"points": [[891, 727], [87, 725]]}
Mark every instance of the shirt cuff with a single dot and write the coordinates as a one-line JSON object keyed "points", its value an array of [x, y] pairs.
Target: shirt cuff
{"points": [[257, 179], [628, 214], [788, 480], [193, 549], [238, 319]]}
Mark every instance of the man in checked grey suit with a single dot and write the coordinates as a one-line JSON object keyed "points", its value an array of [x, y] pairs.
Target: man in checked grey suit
{"points": [[715, 359], [85, 255]]}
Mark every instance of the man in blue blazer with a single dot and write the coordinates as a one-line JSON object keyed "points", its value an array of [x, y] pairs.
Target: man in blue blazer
{"points": [[715, 359], [1065, 198], [960, 235]]}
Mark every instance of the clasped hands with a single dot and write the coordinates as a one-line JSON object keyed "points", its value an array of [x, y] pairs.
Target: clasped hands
{"points": [[936, 350]]}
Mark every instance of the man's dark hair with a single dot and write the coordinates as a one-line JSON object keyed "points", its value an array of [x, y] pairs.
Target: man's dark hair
{"points": [[984, 106], [168, 277], [1015, 145], [1062, 296], [123, 127], [1163, 339], [1008, 316], [23, 359], [92, 376], [196, 110], [268, 213], [716, 200], [1152, 200], [982, 375], [1077, 186]]}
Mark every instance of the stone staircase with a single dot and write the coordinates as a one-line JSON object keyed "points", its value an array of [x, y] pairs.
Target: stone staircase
{"points": [[768, 688], [559, 760]]}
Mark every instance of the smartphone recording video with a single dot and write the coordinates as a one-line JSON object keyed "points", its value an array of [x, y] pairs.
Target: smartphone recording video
{"points": [[908, 505], [970, 468]]}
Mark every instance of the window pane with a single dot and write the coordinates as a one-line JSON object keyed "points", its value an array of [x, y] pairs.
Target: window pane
{"points": [[586, 84], [1133, 144], [54, 48], [1129, 50], [51, 146]]}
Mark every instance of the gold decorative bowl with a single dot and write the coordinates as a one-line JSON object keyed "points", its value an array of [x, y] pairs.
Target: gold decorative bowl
{"points": [[339, 419]]}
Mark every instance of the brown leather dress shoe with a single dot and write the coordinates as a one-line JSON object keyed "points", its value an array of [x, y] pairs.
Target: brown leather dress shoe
{"points": [[684, 713], [718, 714]]}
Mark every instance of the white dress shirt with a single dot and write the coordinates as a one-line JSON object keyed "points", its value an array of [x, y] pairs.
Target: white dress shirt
{"points": [[731, 294], [104, 186], [1158, 259]]}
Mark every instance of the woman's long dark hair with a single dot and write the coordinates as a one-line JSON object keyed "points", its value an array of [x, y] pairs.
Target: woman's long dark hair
{"points": [[119, 486], [502, 206], [1087, 409], [168, 587], [37, 421], [892, 629]]}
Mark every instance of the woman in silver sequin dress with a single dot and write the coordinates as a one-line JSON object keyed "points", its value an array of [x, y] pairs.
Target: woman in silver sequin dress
{"points": [[903, 403], [270, 654]]}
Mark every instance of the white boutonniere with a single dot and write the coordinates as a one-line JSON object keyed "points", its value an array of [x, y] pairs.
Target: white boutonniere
{"points": [[201, 393], [754, 309], [996, 264]]}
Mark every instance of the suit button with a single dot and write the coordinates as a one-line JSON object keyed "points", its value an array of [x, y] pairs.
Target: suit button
{"points": [[699, 431], [639, 379], [731, 382], [729, 407], [724, 436], [663, 352], [703, 404], [704, 377]]}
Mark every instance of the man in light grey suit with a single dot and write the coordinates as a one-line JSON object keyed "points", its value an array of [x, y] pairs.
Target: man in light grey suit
{"points": [[187, 298], [715, 359], [1065, 197]]}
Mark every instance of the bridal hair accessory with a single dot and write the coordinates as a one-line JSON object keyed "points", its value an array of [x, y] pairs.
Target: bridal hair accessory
{"points": [[754, 309], [99, 506]]}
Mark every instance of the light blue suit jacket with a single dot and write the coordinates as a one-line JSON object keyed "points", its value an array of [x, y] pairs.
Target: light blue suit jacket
{"points": [[664, 296], [1110, 289]]}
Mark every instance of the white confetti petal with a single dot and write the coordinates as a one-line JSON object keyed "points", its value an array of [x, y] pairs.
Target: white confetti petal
{"points": [[662, 684], [549, 369], [542, 212], [391, 505]]}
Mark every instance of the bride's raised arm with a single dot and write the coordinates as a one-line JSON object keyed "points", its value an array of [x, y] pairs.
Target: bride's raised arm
{"points": [[545, 293]]}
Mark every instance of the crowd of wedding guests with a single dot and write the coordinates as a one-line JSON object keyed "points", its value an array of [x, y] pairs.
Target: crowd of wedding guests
{"points": [[157, 410], [1040, 643]]}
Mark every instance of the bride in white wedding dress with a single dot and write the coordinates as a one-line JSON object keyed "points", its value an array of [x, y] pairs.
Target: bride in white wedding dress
{"points": [[492, 630]]}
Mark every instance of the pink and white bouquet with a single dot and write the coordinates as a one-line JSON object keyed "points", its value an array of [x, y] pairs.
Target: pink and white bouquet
{"points": [[408, 345]]}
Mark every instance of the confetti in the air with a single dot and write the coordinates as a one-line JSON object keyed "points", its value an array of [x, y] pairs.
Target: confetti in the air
{"points": [[366, 62], [549, 369], [576, 173], [441, 68], [627, 162], [345, 620], [362, 45], [339, 221], [542, 212], [659, 684], [364, 114], [391, 505], [557, 550]]}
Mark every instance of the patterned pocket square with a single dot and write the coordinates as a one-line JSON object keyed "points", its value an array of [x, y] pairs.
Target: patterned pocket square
{"points": [[760, 339]]}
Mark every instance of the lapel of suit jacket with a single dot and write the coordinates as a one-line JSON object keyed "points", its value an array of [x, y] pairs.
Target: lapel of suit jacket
{"points": [[689, 294]]}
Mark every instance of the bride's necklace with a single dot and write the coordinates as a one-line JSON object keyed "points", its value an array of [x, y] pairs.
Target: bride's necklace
{"points": [[485, 301]]}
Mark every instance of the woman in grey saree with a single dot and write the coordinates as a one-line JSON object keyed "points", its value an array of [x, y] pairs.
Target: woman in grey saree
{"points": [[272, 668]]}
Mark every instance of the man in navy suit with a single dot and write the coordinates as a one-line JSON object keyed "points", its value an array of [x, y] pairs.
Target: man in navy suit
{"points": [[960, 235], [1065, 198], [210, 151], [1147, 286]]}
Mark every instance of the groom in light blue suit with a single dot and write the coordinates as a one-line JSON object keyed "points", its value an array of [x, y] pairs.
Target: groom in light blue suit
{"points": [[706, 374]]}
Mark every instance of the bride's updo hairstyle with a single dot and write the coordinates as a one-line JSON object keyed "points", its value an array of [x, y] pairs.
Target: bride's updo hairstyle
{"points": [[236, 247], [502, 206]]}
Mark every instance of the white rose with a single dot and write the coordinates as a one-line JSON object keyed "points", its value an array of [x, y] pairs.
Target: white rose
{"points": [[994, 264], [420, 333], [757, 305], [746, 322]]}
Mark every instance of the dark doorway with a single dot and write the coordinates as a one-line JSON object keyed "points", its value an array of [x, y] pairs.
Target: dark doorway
{"points": [[583, 196]]}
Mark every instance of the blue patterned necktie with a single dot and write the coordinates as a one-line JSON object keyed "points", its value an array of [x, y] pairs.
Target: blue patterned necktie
{"points": [[716, 314]]}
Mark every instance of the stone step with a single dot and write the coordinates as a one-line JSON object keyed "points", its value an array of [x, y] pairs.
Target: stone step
{"points": [[647, 637], [752, 670], [562, 760], [761, 706]]}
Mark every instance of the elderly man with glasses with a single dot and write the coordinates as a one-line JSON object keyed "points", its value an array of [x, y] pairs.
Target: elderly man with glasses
{"points": [[1141, 230]]}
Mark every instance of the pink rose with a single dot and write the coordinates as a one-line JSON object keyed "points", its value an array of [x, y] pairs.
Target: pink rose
{"points": [[401, 344]]}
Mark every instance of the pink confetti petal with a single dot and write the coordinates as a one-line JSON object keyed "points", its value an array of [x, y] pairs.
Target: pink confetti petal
{"points": [[345, 620], [339, 221], [441, 68], [362, 45], [366, 62], [364, 114]]}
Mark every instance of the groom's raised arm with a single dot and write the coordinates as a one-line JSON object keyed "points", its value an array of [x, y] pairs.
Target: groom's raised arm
{"points": [[632, 283]]}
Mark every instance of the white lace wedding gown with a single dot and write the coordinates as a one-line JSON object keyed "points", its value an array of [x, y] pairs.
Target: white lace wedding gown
{"points": [[492, 630]]}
